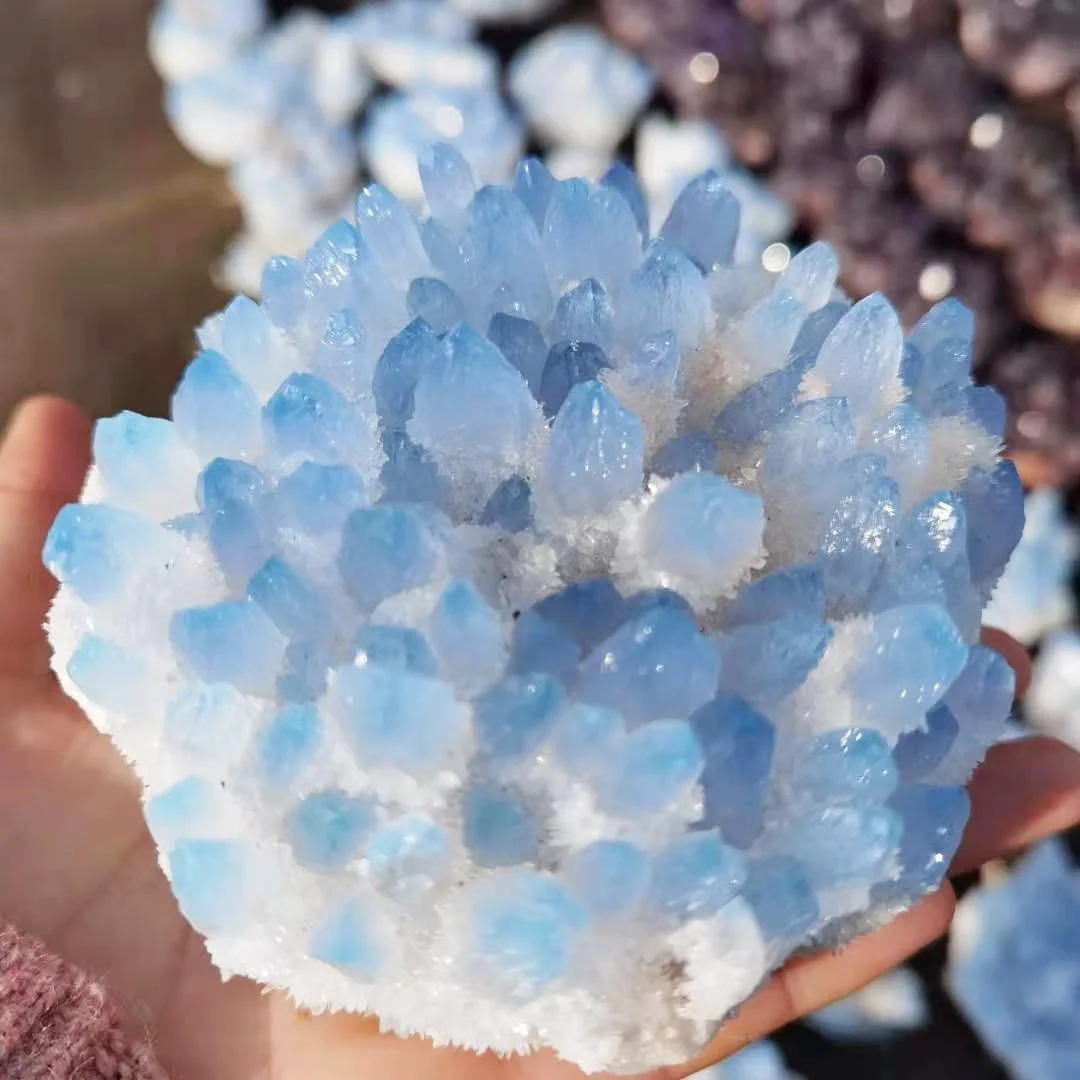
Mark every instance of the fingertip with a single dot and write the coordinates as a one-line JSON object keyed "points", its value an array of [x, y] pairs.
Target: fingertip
{"points": [[807, 984], [45, 448], [1025, 790], [1014, 654]]}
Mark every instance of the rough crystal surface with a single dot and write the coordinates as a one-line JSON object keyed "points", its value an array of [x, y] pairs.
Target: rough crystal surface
{"points": [[562, 621]]}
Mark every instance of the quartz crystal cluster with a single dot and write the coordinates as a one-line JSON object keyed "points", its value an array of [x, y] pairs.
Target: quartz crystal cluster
{"points": [[1014, 964], [532, 629]]}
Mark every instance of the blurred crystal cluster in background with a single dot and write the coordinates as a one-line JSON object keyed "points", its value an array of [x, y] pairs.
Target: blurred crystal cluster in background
{"points": [[933, 143], [1014, 964], [302, 108]]}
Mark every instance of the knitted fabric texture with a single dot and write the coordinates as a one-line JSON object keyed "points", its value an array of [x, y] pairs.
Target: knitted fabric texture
{"points": [[58, 1023]]}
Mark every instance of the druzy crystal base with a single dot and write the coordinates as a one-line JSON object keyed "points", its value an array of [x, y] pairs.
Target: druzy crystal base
{"points": [[532, 630]]}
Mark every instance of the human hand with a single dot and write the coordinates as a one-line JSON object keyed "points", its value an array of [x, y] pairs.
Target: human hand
{"points": [[81, 873]]}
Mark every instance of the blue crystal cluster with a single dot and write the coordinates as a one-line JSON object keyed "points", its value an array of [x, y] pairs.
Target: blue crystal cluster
{"points": [[533, 629], [1014, 965]]}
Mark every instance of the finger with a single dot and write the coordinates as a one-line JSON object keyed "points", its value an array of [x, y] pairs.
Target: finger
{"points": [[1025, 790], [1015, 655], [806, 985], [44, 456]]}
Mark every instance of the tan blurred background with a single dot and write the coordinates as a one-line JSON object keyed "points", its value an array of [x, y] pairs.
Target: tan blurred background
{"points": [[107, 226]]}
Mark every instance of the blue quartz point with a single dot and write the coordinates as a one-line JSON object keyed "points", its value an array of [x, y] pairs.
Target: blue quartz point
{"points": [[215, 411], [513, 717], [704, 221], [94, 548], [621, 178], [595, 456], [933, 820], [525, 926], [212, 882], [288, 743], [583, 314], [498, 827], [317, 498], [651, 668], [650, 769], [346, 940], [782, 899], [738, 744], [694, 877], [609, 877], [385, 550], [568, 364], [523, 345], [397, 718], [232, 642], [294, 605]]}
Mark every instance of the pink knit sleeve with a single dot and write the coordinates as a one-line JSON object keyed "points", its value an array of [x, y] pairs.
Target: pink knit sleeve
{"points": [[56, 1023]]}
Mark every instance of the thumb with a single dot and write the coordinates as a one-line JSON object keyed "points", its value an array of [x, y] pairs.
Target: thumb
{"points": [[44, 456]]}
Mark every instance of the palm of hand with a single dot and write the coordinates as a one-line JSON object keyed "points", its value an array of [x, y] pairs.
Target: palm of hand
{"points": [[81, 871]]}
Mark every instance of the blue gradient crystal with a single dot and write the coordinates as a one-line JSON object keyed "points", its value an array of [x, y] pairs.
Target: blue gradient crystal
{"points": [[397, 718], [288, 743], [467, 637], [524, 927], [608, 876], [95, 548], [497, 826], [782, 898], [385, 550], [215, 411], [346, 941], [595, 454], [232, 642], [650, 769], [514, 716], [325, 829], [654, 667], [695, 877], [211, 880], [704, 221], [317, 498], [738, 743]]}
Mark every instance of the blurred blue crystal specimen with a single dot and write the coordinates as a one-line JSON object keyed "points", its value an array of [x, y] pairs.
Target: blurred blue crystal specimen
{"points": [[1035, 593], [523, 608], [578, 87], [1015, 965]]}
